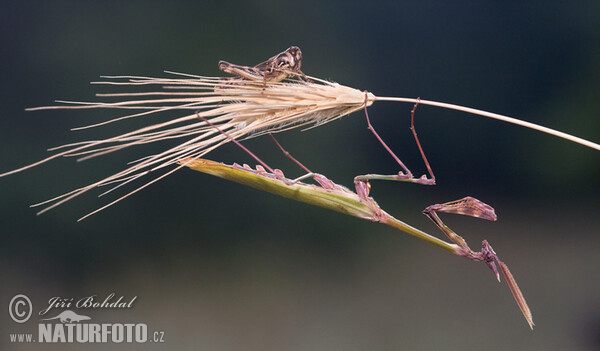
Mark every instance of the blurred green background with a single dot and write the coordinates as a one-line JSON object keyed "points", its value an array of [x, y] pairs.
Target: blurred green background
{"points": [[218, 266]]}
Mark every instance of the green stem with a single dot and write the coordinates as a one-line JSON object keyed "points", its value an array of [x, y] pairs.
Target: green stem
{"points": [[393, 222]]}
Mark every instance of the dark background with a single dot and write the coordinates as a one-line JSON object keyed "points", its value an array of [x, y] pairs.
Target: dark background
{"points": [[218, 266]]}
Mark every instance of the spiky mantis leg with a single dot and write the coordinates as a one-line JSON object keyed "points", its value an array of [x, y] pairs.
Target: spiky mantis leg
{"points": [[404, 175], [468, 206]]}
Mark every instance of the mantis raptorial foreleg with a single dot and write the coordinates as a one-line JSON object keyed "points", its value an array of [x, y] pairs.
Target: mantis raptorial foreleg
{"points": [[404, 175], [468, 206]]}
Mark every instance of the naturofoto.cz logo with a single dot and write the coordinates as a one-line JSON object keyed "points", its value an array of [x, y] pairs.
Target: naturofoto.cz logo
{"points": [[68, 326], [71, 328]]}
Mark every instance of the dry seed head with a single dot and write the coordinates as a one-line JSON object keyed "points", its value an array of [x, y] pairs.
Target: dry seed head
{"points": [[241, 108]]}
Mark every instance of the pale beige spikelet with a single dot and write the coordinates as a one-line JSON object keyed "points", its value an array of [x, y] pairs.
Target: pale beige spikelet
{"points": [[242, 109]]}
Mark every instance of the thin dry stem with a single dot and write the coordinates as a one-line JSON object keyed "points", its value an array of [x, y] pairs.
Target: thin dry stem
{"points": [[498, 117]]}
